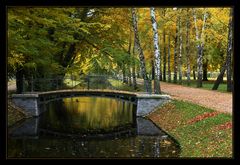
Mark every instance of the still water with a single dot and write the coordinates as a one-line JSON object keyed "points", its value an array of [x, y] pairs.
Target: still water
{"points": [[89, 127]]}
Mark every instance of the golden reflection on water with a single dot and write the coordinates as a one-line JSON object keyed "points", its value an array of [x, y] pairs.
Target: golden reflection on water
{"points": [[92, 112]]}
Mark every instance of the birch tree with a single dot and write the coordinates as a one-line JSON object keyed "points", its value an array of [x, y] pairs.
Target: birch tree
{"points": [[141, 55], [200, 45], [129, 52], [188, 49], [157, 61], [134, 67]]}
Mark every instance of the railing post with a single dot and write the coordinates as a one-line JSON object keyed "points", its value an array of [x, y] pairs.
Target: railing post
{"points": [[31, 83], [23, 81], [57, 82], [72, 79], [88, 79]]}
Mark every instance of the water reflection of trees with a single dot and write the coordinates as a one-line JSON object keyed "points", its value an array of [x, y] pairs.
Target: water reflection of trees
{"points": [[88, 113]]}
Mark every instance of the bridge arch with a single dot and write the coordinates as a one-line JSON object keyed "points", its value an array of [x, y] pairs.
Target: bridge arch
{"points": [[146, 103]]}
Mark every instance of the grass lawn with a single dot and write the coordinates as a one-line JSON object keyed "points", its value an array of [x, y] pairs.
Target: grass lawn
{"points": [[119, 85], [201, 132], [71, 83], [207, 85]]}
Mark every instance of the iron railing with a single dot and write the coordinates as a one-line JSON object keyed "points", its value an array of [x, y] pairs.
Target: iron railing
{"points": [[76, 82]]}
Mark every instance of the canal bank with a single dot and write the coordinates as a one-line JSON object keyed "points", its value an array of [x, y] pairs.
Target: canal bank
{"points": [[201, 132]]}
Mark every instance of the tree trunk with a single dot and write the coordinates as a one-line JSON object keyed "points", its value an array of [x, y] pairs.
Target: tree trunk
{"points": [[160, 76], [180, 53], [219, 78], [205, 65], [229, 53], [169, 51], [199, 48], [157, 62], [129, 77], [141, 55], [129, 66], [19, 80], [164, 54], [134, 69], [164, 51], [194, 74], [153, 73], [187, 51], [175, 55], [124, 73]]}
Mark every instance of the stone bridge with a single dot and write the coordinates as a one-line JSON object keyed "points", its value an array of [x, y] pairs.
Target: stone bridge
{"points": [[31, 102]]}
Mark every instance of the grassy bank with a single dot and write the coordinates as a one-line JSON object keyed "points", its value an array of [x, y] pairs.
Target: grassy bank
{"points": [[201, 132], [14, 114]]}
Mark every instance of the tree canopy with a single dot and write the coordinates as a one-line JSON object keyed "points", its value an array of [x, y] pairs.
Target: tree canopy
{"points": [[49, 42]]}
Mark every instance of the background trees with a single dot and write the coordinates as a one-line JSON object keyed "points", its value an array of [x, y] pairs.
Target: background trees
{"points": [[54, 42]]}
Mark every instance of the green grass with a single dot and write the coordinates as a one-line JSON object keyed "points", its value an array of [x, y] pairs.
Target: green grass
{"points": [[109, 84], [199, 139], [206, 85], [119, 85], [71, 83]]}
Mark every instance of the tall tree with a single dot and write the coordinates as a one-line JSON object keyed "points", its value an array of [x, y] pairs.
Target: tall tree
{"points": [[134, 67], [188, 49], [141, 55], [229, 52], [157, 64], [129, 52], [220, 77], [180, 51], [175, 53], [200, 45], [205, 70], [164, 49], [227, 63], [169, 57]]}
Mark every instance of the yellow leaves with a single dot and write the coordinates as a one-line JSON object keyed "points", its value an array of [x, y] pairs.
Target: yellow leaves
{"points": [[165, 142], [15, 59]]}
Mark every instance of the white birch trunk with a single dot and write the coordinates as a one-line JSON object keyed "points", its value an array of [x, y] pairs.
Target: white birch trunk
{"points": [[156, 53], [141, 55], [200, 45], [187, 51], [134, 68]]}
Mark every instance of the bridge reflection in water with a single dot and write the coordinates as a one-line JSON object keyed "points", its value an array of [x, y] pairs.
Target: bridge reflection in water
{"points": [[90, 127]]}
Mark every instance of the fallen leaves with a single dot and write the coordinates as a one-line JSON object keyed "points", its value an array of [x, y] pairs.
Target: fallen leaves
{"points": [[202, 117], [227, 125]]}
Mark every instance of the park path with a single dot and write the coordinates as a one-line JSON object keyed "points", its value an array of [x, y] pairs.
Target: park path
{"points": [[211, 99]]}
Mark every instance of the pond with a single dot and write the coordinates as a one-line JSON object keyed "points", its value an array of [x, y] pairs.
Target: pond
{"points": [[89, 127]]}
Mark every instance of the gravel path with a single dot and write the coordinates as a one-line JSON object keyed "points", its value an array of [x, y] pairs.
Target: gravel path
{"points": [[211, 99]]}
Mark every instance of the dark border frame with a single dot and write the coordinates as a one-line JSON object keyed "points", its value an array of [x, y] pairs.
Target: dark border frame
{"points": [[122, 3]]}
